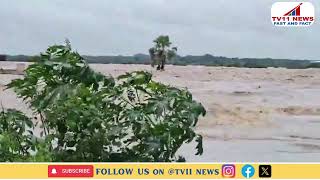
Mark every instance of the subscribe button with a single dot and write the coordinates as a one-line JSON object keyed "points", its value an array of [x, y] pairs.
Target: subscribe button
{"points": [[70, 171]]}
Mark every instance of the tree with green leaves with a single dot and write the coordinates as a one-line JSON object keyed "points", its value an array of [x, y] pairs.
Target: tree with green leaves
{"points": [[161, 52], [85, 116]]}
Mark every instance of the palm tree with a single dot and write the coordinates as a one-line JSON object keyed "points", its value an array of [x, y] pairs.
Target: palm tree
{"points": [[161, 52]]}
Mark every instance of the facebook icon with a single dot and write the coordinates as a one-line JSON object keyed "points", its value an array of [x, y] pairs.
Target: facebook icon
{"points": [[247, 171]]}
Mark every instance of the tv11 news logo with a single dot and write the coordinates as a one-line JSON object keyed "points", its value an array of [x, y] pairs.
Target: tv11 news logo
{"points": [[292, 14]]}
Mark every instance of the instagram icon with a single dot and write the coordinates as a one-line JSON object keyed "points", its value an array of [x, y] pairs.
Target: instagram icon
{"points": [[228, 171]]}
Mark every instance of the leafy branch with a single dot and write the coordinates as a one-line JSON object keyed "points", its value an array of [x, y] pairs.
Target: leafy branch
{"points": [[87, 116]]}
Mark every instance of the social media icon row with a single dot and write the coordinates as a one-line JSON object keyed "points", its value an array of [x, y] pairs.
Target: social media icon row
{"points": [[247, 171]]}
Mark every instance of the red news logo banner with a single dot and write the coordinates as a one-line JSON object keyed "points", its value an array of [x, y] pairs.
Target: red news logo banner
{"points": [[292, 14], [159, 171]]}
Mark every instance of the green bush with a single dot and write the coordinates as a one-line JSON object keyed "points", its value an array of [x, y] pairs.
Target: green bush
{"points": [[84, 115]]}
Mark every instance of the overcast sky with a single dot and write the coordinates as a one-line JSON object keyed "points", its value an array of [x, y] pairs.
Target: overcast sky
{"points": [[232, 28]]}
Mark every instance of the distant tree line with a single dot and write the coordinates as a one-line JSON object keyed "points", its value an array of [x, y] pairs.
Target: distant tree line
{"points": [[206, 60], [3, 57]]}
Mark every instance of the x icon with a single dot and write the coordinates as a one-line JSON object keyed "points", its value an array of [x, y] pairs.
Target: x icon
{"points": [[265, 171]]}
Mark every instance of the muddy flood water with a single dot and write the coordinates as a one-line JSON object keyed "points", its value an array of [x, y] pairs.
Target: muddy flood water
{"points": [[253, 115]]}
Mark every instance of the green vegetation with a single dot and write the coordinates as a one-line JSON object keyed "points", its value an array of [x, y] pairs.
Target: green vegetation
{"points": [[161, 52], [86, 116]]}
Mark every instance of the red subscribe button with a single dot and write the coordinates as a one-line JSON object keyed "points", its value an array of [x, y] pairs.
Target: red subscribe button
{"points": [[70, 171]]}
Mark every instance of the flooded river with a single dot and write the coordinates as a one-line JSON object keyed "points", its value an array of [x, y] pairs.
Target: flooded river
{"points": [[252, 114]]}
